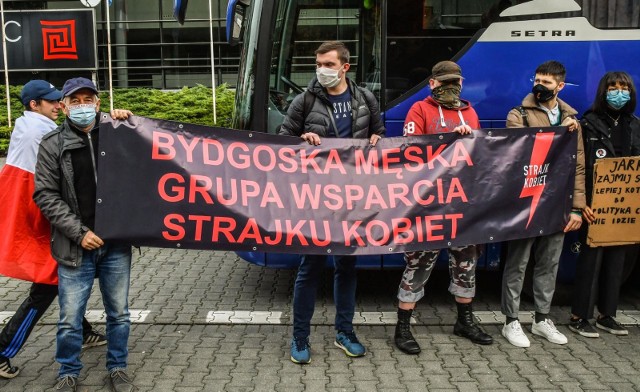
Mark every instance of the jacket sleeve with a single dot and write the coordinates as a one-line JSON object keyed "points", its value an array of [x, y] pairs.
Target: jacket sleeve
{"points": [[514, 119], [415, 122], [48, 193], [293, 124], [579, 191], [635, 137], [376, 126]]}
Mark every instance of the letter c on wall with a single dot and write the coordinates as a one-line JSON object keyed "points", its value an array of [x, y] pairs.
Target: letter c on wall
{"points": [[5, 31]]}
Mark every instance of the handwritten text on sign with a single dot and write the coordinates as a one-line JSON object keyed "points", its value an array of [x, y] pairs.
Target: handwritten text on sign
{"points": [[616, 202]]}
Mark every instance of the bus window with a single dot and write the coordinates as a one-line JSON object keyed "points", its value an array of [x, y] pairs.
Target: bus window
{"points": [[421, 33], [301, 26]]}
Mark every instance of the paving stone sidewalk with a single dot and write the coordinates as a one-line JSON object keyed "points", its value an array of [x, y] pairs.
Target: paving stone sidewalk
{"points": [[174, 345], [254, 358]]}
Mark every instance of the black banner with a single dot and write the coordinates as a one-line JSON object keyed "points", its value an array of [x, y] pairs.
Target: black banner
{"points": [[179, 185], [50, 39]]}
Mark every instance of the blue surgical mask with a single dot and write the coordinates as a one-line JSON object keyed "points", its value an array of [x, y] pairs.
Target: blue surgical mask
{"points": [[82, 115], [618, 98]]}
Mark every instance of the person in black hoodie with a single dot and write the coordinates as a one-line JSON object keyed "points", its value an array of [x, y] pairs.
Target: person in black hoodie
{"points": [[610, 129]]}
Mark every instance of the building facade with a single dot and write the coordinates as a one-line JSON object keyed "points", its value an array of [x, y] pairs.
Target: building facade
{"points": [[150, 49]]}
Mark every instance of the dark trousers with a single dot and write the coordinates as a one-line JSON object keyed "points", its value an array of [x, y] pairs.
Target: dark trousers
{"points": [[306, 287], [598, 279], [16, 332]]}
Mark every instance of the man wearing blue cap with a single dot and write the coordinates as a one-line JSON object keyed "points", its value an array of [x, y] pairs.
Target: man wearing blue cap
{"points": [[24, 245], [65, 190]]}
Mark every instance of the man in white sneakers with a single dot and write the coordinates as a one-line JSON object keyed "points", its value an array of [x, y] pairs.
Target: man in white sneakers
{"points": [[541, 108]]}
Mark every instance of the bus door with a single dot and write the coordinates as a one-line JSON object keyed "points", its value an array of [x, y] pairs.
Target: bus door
{"points": [[300, 27]]}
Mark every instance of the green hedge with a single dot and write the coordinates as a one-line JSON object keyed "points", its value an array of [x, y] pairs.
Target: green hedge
{"points": [[191, 105]]}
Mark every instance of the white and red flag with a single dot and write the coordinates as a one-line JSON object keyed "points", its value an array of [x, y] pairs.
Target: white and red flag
{"points": [[24, 231]]}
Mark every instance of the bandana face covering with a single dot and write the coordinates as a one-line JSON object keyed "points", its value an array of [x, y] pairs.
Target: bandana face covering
{"points": [[447, 95]]}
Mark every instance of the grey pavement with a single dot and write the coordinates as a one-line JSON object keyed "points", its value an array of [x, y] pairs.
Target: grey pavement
{"points": [[209, 321]]}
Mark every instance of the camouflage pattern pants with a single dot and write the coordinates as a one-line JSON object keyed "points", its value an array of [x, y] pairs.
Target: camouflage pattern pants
{"points": [[462, 269]]}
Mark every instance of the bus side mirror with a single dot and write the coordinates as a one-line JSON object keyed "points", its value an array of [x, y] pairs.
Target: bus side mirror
{"points": [[235, 19], [180, 10]]}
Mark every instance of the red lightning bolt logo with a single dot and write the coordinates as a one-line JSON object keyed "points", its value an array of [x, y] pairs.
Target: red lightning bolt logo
{"points": [[540, 150]]}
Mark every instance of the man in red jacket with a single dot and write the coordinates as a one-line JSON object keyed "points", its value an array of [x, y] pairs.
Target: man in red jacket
{"points": [[441, 112]]}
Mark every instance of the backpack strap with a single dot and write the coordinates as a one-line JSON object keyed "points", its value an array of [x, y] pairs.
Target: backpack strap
{"points": [[523, 113], [308, 100]]}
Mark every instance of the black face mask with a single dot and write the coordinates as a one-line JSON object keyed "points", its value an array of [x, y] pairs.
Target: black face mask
{"points": [[542, 94]]}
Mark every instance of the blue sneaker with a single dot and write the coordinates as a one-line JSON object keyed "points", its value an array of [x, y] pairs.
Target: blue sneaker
{"points": [[350, 344], [300, 350]]}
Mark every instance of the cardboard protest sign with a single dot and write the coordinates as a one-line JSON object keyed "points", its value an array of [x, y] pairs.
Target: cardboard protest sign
{"points": [[616, 202]]}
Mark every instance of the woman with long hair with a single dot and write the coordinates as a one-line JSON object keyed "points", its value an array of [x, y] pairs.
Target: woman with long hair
{"points": [[610, 129]]}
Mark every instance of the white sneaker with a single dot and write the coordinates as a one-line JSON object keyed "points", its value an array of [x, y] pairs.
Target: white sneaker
{"points": [[515, 335], [547, 330]]}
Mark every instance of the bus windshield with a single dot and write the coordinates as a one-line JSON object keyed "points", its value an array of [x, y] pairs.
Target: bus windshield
{"points": [[301, 26]]}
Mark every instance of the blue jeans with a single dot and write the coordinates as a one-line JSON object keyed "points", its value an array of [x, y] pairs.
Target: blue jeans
{"points": [[112, 265], [306, 287]]}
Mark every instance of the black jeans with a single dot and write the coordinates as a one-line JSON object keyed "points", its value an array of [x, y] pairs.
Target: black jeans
{"points": [[16, 332], [598, 279]]}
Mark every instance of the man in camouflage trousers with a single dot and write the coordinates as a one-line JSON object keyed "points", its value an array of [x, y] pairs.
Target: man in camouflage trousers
{"points": [[441, 112]]}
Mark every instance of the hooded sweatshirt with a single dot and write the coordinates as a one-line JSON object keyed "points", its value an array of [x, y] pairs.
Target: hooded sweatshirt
{"points": [[427, 117]]}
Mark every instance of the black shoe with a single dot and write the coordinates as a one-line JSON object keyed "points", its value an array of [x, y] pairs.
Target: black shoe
{"points": [[6, 370], [66, 384], [120, 382], [403, 337], [609, 324], [466, 326], [94, 339], [472, 332], [583, 327]]}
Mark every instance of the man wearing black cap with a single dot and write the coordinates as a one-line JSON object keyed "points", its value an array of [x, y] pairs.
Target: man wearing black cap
{"points": [[441, 112], [66, 176], [24, 244]]}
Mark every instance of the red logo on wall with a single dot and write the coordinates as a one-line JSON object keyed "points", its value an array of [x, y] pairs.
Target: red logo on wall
{"points": [[59, 39]]}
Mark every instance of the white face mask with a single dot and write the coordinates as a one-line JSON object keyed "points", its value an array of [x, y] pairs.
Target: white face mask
{"points": [[328, 77]]}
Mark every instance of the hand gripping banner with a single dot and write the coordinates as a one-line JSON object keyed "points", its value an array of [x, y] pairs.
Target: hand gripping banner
{"points": [[168, 184]]}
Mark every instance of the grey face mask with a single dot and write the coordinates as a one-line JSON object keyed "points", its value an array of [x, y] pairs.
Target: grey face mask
{"points": [[328, 77]]}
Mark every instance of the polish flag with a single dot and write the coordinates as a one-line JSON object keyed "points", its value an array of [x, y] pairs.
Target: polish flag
{"points": [[24, 232]]}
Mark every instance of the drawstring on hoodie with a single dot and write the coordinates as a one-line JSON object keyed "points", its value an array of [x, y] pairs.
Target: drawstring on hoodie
{"points": [[462, 122], [444, 124]]}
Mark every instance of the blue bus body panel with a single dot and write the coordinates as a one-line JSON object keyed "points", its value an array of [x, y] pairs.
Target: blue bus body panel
{"points": [[489, 259], [287, 261], [498, 75]]}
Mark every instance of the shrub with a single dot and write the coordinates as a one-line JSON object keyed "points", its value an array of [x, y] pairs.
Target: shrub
{"points": [[192, 105]]}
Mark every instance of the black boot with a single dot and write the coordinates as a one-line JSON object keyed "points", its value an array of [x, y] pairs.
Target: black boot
{"points": [[467, 328], [403, 337]]}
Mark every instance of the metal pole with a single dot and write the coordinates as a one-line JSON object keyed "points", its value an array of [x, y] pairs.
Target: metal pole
{"points": [[213, 75], [122, 72], [109, 57], [6, 67]]}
